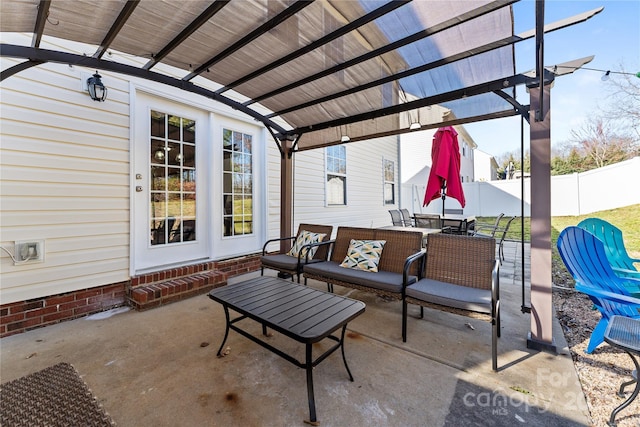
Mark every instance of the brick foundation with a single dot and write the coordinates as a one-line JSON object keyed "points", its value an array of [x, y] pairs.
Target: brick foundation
{"points": [[141, 292], [23, 316]]}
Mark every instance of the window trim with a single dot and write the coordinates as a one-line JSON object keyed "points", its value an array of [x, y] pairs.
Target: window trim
{"points": [[328, 173], [386, 182]]}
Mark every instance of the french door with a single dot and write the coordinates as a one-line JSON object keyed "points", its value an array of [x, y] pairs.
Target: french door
{"points": [[170, 201]]}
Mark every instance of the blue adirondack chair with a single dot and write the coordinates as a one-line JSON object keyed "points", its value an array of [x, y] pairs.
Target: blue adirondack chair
{"points": [[584, 256], [609, 304], [614, 247]]}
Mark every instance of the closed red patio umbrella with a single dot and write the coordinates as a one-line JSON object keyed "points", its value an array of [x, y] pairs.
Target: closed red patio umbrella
{"points": [[444, 177]]}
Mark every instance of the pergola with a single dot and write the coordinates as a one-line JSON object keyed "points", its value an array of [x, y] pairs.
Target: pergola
{"points": [[326, 72]]}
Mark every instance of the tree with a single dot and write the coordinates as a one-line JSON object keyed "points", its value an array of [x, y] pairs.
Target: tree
{"points": [[602, 143], [609, 137], [506, 160], [625, 100], [570, 163]]}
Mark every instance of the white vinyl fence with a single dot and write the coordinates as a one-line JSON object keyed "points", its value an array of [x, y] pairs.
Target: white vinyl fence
{"points": [[600, 189]]}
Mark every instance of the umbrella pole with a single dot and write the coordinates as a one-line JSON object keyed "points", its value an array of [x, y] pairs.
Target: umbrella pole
{"points": [[444, 187]]}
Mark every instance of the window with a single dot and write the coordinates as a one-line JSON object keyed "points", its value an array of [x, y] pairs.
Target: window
{"points": [[336, 175], [389, 181], [237, 178], [173, 185]]}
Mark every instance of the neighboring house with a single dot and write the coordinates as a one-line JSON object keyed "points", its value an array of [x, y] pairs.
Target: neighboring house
{"points": [[467, 156], [153, 195], [485, 166]]}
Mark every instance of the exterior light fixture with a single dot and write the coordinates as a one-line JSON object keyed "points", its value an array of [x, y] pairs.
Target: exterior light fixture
{"points": [[415, 126], [97, 90], [605, 77], [345, 138]]}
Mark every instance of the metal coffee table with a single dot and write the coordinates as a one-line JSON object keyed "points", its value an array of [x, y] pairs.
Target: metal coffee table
{"points": [[304, 314], [624, 333]]}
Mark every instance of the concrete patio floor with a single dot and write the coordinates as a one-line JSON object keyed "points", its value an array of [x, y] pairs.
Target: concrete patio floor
{"points": [[159, 368]]}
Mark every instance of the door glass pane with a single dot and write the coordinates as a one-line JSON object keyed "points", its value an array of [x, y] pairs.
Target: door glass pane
{"points": [[173, 179], [237, 183], [157, 124], [188, 156], [189, 131]]}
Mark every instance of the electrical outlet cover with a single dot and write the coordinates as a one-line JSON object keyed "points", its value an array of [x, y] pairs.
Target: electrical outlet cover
{"points": [[29, 251]]}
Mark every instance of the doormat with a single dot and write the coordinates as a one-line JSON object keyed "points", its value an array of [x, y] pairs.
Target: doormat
{"points": [[55, 396]]}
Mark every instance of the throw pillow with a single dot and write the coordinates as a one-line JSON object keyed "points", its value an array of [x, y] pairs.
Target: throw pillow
{"points": [[364, 255], [305, 238]]}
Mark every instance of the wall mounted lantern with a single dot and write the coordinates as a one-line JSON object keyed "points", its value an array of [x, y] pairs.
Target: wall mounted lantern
{"points": [[97, 90]]}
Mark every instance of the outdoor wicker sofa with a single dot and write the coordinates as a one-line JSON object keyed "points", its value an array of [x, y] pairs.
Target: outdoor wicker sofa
{"points": [[388, 280]]}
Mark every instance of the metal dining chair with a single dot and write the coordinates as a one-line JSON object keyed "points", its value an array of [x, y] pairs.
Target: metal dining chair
{"points": [[406, 218], [396, 217]]}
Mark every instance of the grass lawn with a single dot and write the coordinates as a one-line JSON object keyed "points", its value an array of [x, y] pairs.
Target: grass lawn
{"points": [[626, 219]]}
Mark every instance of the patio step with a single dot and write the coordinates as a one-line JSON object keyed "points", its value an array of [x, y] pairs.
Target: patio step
{"points": [[162, 292]]}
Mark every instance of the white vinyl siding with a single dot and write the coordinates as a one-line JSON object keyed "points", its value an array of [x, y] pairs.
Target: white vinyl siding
{"points": [[364, 191], [64, 179]]}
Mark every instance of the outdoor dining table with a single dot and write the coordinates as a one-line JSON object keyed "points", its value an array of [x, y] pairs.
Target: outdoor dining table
{"points": [[425, 231], [299, 312]]}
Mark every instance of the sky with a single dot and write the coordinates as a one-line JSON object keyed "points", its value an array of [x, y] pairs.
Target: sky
{"points": [[612, 36]]}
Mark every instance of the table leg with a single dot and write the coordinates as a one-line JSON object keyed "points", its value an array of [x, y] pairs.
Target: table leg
{"points": [[312, 402], [226, 332], [344, 358], [631, 398]]}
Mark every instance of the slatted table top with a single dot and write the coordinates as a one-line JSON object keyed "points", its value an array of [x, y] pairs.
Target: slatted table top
{"points": [[300, 312], [624, 332]]}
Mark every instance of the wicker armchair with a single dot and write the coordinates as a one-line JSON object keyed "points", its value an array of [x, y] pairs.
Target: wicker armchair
{"points": [[294, 265], [461, 276]]}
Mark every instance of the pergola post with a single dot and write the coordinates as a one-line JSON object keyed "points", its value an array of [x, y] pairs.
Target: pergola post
{"points": [[541, 334], [286, 192]]}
